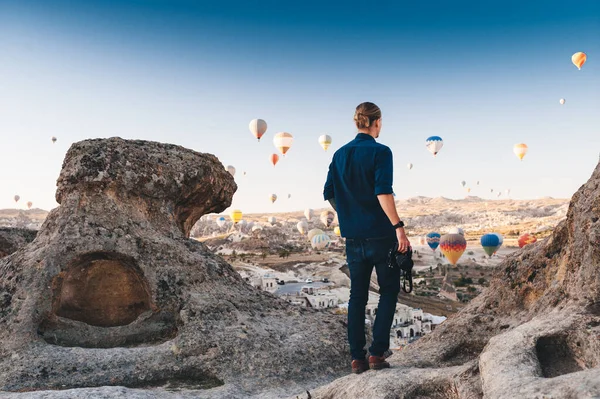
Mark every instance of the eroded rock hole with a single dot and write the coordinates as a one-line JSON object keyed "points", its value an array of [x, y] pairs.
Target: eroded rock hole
{"points": [[102, 289], [556, 356]]}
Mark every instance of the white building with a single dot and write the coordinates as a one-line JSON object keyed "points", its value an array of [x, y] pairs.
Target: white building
{"points": [[266, 283]]}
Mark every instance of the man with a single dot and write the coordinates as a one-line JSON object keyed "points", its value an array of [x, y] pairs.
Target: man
{"points": [[359, 187]]}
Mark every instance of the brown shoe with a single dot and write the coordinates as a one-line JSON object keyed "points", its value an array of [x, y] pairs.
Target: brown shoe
{"points": [[378, 363], [358, 366]]}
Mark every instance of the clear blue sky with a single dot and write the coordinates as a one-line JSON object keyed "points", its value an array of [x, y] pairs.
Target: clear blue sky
{"points": [[483, 75]]}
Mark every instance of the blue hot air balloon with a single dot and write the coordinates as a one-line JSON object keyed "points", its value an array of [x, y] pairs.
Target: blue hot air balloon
{"points": [[490, 243], [434, 144], [433, 240]]}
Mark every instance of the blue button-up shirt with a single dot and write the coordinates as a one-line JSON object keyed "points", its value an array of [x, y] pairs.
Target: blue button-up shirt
{"points": [[359, 172]]}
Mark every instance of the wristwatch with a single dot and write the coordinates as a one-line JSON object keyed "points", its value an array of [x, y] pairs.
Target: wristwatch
{"points": [[399, 225]]}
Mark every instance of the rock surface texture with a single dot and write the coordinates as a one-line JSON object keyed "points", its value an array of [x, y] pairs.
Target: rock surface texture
{"points": [[11, 239], [112, 293], [535, 333]]}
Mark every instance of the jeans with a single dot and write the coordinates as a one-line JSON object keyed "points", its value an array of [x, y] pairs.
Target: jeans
{"points": [[362, 256]]}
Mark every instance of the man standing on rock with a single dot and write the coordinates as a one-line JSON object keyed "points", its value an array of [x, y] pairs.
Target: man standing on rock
{"points": [[359, 187]]}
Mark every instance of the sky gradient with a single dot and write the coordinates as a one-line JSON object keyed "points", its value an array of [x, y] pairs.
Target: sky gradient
{"points": [[483, 75]]}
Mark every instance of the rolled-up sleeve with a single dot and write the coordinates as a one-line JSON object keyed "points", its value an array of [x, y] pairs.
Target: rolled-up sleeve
{"points": [[328, 192], [384, 171]]}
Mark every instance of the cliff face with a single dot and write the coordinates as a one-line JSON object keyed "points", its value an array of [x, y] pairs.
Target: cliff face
{"points": [[113, 292], [11, 239], [535, 332]]}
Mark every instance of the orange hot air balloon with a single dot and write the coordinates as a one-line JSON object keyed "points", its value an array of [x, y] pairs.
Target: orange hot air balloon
{"points": [[520, 150], [579, 59], [526, 239], [274, 159]]}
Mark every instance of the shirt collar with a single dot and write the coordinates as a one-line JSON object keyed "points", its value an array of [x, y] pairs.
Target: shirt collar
{"points": [[364, 136]]}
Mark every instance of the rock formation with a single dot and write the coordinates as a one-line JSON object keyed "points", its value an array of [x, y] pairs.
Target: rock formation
{"points": [[535, 333], [11, 239], [112, 292]]}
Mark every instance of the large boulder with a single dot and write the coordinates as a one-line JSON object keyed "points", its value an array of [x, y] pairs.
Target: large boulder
{"points": [[534, 333], [112, 292]]}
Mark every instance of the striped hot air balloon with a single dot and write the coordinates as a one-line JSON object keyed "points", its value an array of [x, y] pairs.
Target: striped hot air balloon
{"points": [[453, 246], [433, 240], [314, 232], [520, 150], [526, 239], [273, 198], [434, 144], [490, 243], [283, 142], [320, 241], [258, 127]]}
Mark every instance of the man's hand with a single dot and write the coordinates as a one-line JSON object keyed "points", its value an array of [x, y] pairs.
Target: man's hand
{"points": [[403, 243]]}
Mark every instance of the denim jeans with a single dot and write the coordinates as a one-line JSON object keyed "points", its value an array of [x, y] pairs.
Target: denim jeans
{"points": [[362, 256]]}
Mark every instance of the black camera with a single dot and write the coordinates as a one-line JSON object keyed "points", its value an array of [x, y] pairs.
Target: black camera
{"points": [[402, 260]]}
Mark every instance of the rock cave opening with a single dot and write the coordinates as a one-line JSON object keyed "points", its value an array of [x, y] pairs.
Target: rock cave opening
{"points": [[102, 289], [556, 356], [102, 300]]}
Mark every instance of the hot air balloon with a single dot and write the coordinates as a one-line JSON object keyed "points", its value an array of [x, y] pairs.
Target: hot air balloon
{"points": [[256, 227], [327, 218], [231, 170], [273, 198], [456, 230], [508, 191], [289, 196], [562, 101], [272, 220], [258, 127], [337, 231], [491, 190], [520, 150], [17, 198], [308, 214], [463, 183], [490, 243], [325, 141], [422, 240], [433, 240], [283, 141], [526, 239], [221, 221], [434, 144], [500, 238], [320, 241], [468, 189], [302, 227], [477, 182], [236, 216], [314, 232], [29, 205], [274, 159], [409, 166], [53, 139], [579, 59], [453, 246]]}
